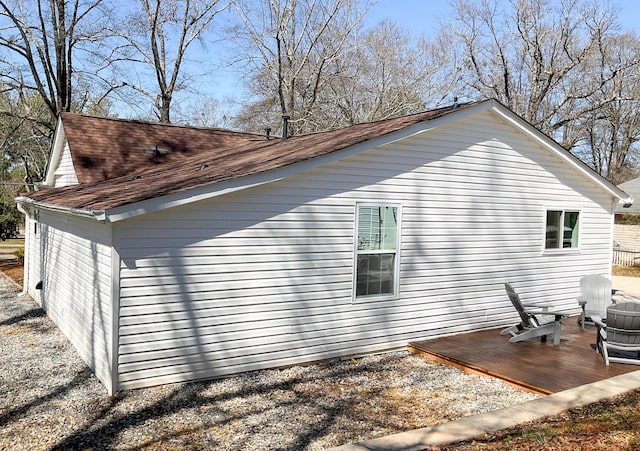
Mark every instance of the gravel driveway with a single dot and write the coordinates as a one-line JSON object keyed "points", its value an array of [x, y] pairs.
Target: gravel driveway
{"points": [[49, 399]]}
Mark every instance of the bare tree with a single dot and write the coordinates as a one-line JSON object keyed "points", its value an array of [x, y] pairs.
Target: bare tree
{"points": [[41, 39], [205, 111], [24, 137], [289, 46], [388, 74], [46, 47], [159, 36], [533, 56], [612, 132], [563, 67]]}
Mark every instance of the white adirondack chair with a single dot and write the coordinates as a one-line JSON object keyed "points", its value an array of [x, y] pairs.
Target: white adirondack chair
{"points": [[595, 297]]}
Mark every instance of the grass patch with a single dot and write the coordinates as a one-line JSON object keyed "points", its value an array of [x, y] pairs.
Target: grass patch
{"points": [[13, 241], [608, 424], [627, 271]]}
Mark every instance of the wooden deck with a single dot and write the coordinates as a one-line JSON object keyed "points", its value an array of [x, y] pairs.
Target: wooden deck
{"points": [[535, 366]]}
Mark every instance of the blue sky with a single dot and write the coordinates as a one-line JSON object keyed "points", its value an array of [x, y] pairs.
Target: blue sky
{"points": [[417, 16], [423, 16]]}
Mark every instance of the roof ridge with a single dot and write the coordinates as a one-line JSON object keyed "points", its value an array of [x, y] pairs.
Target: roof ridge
{"points": [[395, 118], [259, 135]]}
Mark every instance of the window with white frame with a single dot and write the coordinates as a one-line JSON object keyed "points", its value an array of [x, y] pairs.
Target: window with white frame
{"points": [[562, 229], [376, 250]]}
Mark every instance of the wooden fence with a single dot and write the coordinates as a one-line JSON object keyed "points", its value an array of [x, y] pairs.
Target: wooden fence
{"points": [[623, 257]]}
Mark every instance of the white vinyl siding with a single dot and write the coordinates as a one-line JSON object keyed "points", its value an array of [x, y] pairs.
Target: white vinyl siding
{"points": [[264, 277], [75, 269], [32, 257], [65, 173]]}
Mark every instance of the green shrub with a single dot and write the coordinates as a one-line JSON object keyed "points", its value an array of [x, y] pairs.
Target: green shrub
{"points": [[10, 217], [627, 219], [20, 255]]}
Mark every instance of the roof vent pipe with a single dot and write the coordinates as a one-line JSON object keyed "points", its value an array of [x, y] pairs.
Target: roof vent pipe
{"points": [[285, 127], [267, 133]]}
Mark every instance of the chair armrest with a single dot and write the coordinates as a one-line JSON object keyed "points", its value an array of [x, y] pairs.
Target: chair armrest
{"points": [[598, 322], [547, 312], [544, 308], [601, 330]]}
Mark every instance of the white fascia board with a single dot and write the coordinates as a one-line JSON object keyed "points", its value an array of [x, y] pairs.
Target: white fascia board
{"points": [[57, 147], [555, 148], [230, 186]]}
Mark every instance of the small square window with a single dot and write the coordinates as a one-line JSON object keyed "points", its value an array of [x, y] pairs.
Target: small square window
{"points": [[562, 229]]}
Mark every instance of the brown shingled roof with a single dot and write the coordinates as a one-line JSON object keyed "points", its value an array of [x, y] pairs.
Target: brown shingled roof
{"points": [[223, 163], [106, 148]]}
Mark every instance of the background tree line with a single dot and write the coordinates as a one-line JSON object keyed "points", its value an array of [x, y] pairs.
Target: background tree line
{"points": [[564, 65]]}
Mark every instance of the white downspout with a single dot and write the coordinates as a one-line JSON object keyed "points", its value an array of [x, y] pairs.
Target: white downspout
{"points": [[27, 244], [611, 232]]}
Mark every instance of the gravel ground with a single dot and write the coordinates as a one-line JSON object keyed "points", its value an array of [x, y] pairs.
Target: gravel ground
{"points": [[49, 399]]}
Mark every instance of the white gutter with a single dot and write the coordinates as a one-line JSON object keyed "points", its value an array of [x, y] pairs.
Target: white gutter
{"points": [[98, 215]]}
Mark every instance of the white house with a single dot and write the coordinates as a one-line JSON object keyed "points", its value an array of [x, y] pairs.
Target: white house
{"points": [[241, 253], [626, 229]]}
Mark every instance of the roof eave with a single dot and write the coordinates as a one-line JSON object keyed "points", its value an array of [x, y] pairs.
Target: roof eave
{"points": [[25, 202]]}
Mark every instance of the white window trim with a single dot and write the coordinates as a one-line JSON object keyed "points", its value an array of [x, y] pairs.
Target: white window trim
{"points": [[396, 280], [561, 250]]}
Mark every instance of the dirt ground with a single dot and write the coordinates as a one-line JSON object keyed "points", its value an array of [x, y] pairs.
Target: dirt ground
{"points": [[12, 269]]}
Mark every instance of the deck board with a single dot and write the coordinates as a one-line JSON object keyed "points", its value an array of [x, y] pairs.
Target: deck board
{"points": [[533, 365]]}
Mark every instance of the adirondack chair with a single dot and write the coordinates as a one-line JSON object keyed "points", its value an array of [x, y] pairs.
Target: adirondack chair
{"points": [[595, 297], [621, 333], [530, 325]]}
